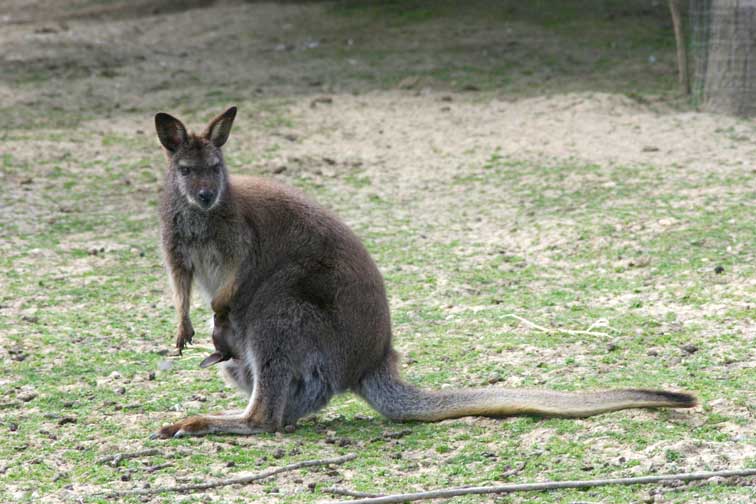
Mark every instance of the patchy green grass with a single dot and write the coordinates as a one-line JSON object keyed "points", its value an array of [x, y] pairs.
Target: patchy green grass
{"points": [[85, 285]]}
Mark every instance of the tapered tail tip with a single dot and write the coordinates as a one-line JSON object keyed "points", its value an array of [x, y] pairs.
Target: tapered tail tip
{"points": [[676, 399]]}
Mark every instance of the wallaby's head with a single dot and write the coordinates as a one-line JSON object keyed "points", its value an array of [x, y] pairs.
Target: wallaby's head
{"points": [[197, 170]]}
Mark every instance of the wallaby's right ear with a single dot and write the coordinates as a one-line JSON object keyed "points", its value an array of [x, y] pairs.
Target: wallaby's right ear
{"points": [[171, 131]]}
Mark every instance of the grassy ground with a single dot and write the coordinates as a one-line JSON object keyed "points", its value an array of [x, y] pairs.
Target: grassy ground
{"points": [[659, 251]]}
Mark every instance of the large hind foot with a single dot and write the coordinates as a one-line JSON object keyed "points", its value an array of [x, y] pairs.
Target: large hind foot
{"points": [[192, 426], [206, 424]]}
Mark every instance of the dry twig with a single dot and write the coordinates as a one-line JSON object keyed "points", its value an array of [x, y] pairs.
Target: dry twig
{"points": [[349, 493], [155, 468], [241, 480], [547, 485], [513, 471], [118, 457], [555, 330]]}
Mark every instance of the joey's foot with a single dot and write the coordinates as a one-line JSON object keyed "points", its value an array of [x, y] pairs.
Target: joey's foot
{"points": [[192, 426], [220, 309]]}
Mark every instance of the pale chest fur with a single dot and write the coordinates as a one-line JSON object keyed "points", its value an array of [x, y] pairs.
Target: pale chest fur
{"points": [[211, 268]]}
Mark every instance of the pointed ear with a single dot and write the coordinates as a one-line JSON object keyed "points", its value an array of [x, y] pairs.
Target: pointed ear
{"points": [[171, 131], [219, 128]]}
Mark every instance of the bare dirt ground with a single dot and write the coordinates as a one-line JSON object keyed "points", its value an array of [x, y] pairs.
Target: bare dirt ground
{"points": [[374, 115]]}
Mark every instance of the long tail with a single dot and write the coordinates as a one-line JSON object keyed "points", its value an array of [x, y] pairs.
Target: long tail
{"points": [[388, 394]]}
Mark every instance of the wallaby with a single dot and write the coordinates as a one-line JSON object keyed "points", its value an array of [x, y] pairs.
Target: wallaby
{"points": [[301, 310]]}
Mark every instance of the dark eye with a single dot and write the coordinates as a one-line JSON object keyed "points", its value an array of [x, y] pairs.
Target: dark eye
{"points": [[184, 170]]}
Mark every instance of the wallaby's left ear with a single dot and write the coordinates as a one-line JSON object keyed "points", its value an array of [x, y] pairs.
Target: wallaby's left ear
{"points": [[220, 127]]}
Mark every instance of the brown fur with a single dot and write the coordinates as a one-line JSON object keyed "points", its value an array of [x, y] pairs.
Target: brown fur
{"points": [[301, 311]]}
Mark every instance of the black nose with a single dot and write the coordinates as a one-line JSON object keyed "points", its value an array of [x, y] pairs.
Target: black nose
{"points": [[205, 197]]}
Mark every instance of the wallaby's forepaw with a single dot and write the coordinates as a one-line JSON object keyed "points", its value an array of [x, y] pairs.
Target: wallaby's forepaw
{"points": [[184, 338], [192, 426]]}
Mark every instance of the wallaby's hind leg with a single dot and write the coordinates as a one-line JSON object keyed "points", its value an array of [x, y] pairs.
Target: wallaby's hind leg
{"points": [[264, 412]]}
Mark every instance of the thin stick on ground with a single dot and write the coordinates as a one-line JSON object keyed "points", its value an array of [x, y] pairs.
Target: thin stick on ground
{"points": [[513, 471], [158, 467], [118, 457], [241, 480], [556, 330], [548, 485], [349, 493]]}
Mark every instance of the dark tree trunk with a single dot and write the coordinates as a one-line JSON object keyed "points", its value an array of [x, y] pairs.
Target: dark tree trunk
{"points": [[728, 73]]}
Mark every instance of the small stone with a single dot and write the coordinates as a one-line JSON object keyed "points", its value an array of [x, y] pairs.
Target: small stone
{"points": [[494, 378], [690, 348], [409, 82], [165, 365], [652, 352], [321, 100], [26, 396], [344, 442], [120, 390], [290, 428], [279, 453], [151, 376], [67, 420], [115, 375], [719, 269], [311, 486], [279, 169], [13, 427], [230, 463], [126, 477], [611, 347]]}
